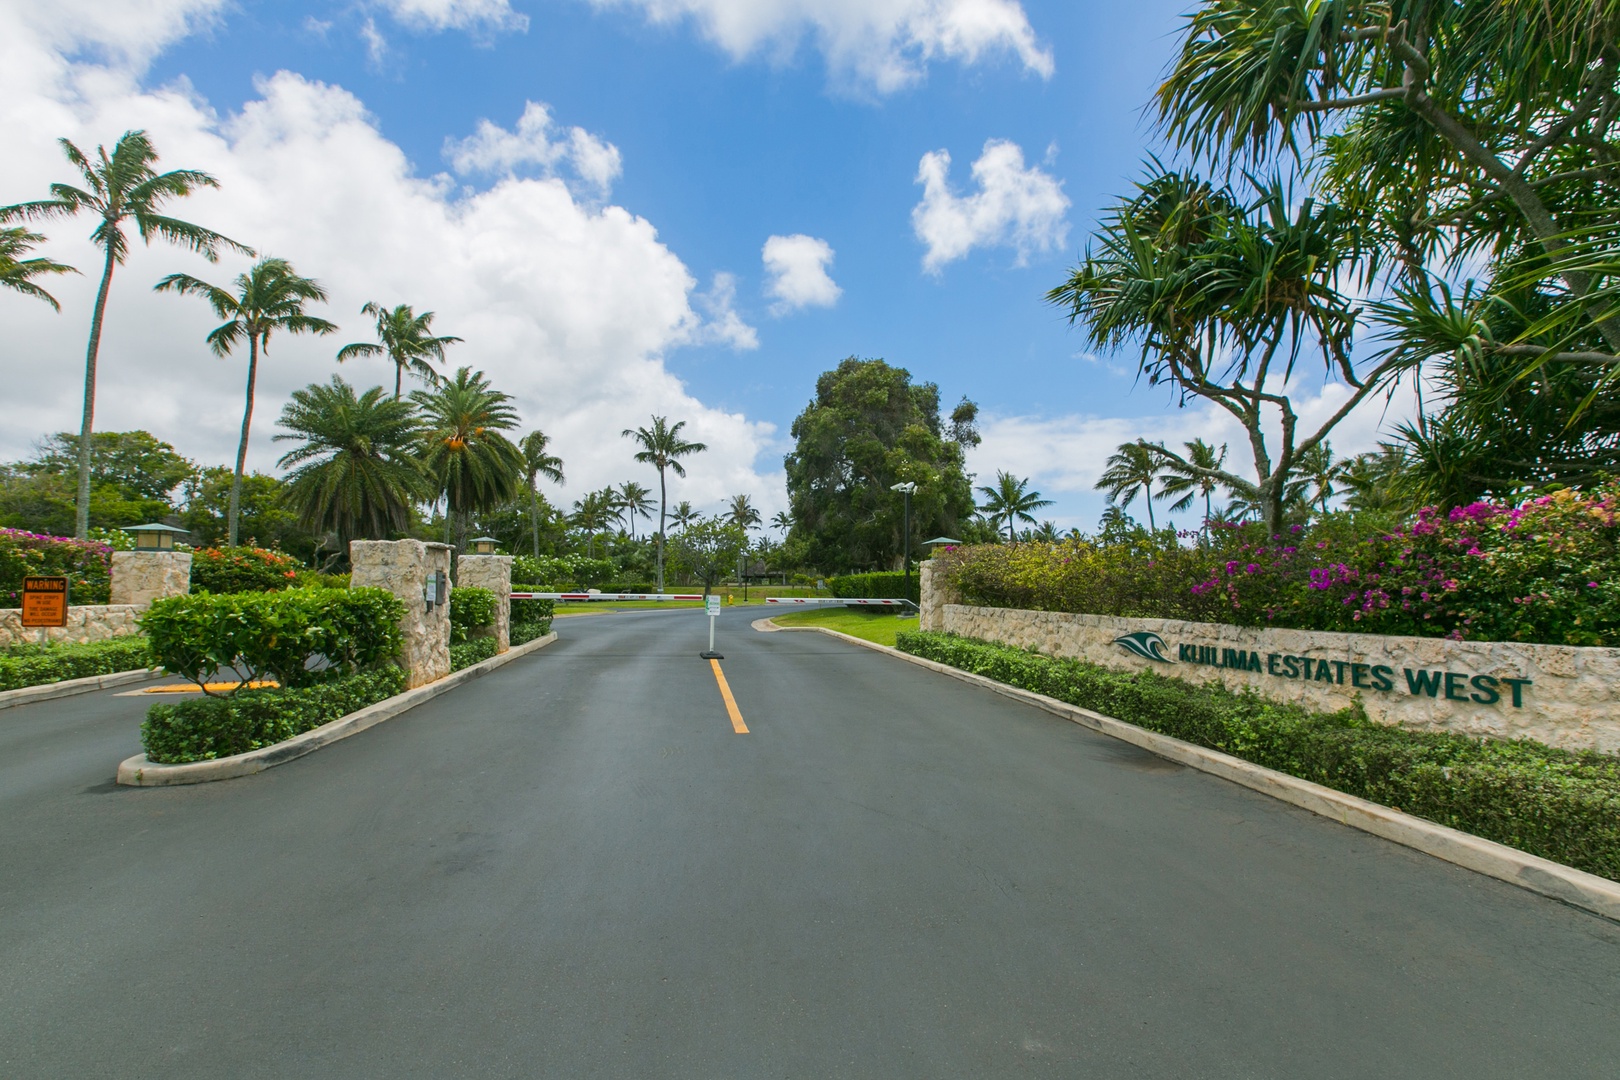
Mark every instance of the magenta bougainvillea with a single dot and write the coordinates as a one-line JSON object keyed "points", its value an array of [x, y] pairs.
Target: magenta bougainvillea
{"points": [[85, 563]]}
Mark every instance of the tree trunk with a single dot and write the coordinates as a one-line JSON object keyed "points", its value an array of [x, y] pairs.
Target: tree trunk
{"points": [[663, 500], [534, 518], [81, 510], [399, 373], [233, 509], [1147, 497]]}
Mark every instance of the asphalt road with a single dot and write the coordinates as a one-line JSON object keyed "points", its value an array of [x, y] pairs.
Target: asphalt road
{"points": [[574, 867]]}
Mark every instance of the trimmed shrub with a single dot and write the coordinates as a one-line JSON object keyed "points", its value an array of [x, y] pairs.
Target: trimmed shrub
{"points": [[468, 653], [275, 634], [569, 569], [523, 633], [202, 729], [85, 563], [471, 609], [627, 586], [37, 665], [243, 569], [530, 619], [1558, 804], [880, 586]]}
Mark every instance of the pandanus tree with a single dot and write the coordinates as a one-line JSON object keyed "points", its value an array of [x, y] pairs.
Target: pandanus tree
{"points": [[1010, 501], [1131, 468], [538, 461], [119, 188], [268, 298], [406, 338], [18, 273], [356, 468], [475, 467], [662, 447]]}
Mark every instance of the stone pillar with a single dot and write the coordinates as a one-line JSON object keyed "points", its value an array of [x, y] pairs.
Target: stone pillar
{"points": [[402, 567], [933, 595], [492, 572], [140, 577]]}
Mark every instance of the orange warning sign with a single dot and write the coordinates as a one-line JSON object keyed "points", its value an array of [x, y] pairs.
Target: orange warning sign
{"points": [[44, 601]]}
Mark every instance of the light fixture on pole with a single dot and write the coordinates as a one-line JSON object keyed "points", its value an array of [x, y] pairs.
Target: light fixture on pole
{"points": [[156, 536], [484, 545], [906, 489]]}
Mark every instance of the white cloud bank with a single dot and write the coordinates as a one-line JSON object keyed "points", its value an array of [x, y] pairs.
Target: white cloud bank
{"points": [[494, 149], [569, 307], [797, 270], [881, 45], [478, 16], [1017, 207]]}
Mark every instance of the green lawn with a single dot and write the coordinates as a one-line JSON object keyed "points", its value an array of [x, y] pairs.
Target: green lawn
{"points": [[876, 626]]}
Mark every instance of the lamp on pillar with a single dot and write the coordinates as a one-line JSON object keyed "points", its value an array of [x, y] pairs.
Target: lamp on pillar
{"points": [[906, 489], [156, 537], [484, 545]]}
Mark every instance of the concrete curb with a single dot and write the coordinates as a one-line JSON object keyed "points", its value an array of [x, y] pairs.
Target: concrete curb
{"points": [[138, 772], [1574, 887], [27, 695]]}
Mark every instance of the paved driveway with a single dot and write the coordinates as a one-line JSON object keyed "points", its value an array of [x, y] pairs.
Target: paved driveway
{"points": [[575, 868]]}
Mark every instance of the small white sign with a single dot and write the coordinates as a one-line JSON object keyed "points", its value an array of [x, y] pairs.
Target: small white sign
{"points": [[713, 605]]}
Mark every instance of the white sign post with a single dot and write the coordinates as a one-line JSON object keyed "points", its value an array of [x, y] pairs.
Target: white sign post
{"points": [[712, 605]]}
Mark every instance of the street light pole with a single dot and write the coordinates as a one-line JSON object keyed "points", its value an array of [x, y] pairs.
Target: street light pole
{"points": [[905, 544]]}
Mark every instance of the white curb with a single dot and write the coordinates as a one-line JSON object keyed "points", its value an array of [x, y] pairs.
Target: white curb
{"points": [[138, 772], [1575, 887], [27, 695]]}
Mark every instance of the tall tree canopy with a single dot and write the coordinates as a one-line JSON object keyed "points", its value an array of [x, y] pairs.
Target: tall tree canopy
{"points": [[868, 428]]}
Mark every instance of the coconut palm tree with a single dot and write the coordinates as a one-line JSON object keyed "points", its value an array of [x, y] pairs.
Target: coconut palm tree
{"points": [[1011, 501], [406, 338], [119, 187], [742, 512], [592, 514], [356, 470], [633, 503], [538, 462], [1189, 485], [269, 297], [474, 466], [1316, 472], [683, 515], [662, 446], [1134, 465], [782, 522], [1046, 534], [17, 273]]}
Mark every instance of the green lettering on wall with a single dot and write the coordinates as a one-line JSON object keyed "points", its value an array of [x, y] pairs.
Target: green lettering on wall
{"points": [[1422, 682]]}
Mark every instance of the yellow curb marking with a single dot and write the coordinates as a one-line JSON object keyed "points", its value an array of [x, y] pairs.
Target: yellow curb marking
{"points": [[737, 724], [192, 688]]}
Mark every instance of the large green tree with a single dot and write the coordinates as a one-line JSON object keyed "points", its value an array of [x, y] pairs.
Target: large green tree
{"points": [[263, 514], [475, 466], [708, 549], [662, 447], [870, 427], [268, 297], [120, 187], [406, 339]]}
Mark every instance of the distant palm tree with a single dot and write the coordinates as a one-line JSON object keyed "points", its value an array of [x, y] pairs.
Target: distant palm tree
{"points": [[406, 338], [1188, 484], [357, 470], [633, 503], [1316, 473], [537, 462], [18, 273], [269, 297], [474, 465], [662, 446], [1011, 501], [683, 515], [1046, 534], [782, 522], [1134, 465], [119, 187], [592, 514], [742, 512]]}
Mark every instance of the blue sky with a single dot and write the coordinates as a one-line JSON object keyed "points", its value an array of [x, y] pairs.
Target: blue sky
{"points": [[733, 121]]}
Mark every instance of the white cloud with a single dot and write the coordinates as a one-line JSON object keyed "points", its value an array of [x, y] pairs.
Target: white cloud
{"points": [[376, 43], [570, 307], [881, 45], [1017, 207], [494, 149], [725, 326], [797, 266], [478, 16]]}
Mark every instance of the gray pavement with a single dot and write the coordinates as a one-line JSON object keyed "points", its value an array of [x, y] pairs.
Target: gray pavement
{"points": [[573, 867]]}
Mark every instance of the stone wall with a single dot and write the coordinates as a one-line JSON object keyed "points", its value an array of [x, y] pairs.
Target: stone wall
{"points": [[92, 622], [933, 594], [140, 577], [492, 572], [1568, 697], [402, 567]]}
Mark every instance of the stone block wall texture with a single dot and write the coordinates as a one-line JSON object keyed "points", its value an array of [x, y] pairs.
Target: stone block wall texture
{"points": [[92, 622], [1572, 700], [402, 567], [492, 572], [933, 594], [140, 577]]}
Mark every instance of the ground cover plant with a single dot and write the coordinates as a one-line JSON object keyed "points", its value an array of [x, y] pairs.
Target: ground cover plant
{"points": [[1546, 570], [875, 626], [242, 569], [85, 563], [1557, 804], [37, 665]]}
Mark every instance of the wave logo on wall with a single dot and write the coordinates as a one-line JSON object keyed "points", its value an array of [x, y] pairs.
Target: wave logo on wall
{"points": [[1146, 644]]}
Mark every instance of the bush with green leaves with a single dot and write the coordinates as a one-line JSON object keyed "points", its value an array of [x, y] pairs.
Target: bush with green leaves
{"points": [[205, 728], [878, 586], [468, 653], [563, 570], [531, 619], [1558, 804], [243, 569], [471, 609], [277, 635], [85, 563], [37, 665]]}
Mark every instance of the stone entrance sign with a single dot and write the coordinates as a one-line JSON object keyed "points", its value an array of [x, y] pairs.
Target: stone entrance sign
{"points": [[402, 567]]}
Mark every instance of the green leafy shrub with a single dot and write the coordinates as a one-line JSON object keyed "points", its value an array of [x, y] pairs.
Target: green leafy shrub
{"points": [[275, 634], [523, 633], [37, 665], [565, 570], [85, 563], [880, 586], [627, 586], [202, 729], [1554, 803], [471, 609], [530, 619], [314, 579], [468, 653], [243, 569]]}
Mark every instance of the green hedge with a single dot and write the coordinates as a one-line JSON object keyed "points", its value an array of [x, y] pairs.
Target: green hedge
{"points": [[201, 729], [1557, 804], [884, 586], [468, 653], [37, 665], [525, 632], [471, 609]]}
